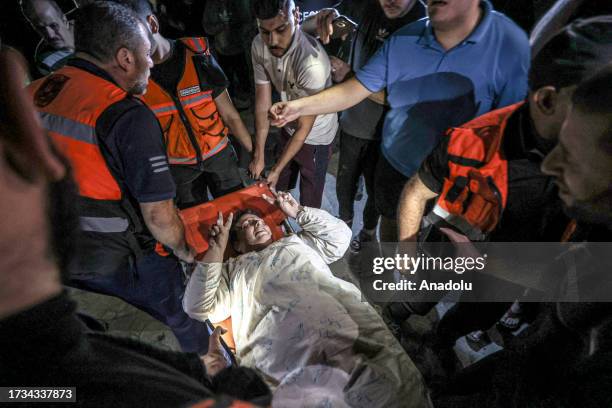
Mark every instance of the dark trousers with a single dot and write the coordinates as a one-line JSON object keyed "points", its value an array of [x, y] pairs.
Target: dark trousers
{"points": [[154, 285], [310, 163], [218, 173], [357, 157]]}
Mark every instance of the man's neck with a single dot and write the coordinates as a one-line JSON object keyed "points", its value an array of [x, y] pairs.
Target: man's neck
{"points": [[163, 50], [106, 67], [453, 34]]}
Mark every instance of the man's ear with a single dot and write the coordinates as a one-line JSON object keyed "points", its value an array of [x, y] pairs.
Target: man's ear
{"points": [[124, 59], [546, 100], [153, 23]]}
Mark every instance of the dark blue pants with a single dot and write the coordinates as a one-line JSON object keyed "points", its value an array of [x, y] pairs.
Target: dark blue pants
{"points": [[310, 163], [154, 285]]}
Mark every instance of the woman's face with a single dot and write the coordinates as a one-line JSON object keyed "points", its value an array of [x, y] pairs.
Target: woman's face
{"points": [[252, 232]]}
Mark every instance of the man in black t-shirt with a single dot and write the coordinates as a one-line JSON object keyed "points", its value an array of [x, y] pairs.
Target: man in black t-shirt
{"points": [[214, 162], [42, 342], [116, 151], [563, 359]]}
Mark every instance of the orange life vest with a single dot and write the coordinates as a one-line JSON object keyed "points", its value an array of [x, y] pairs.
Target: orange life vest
{"points": [[193, 129], [70, 102], [475, 192]]}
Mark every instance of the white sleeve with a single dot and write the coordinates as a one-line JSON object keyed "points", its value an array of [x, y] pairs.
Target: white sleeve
{"points": [[259, 71], [324, 233], [207, 295], [314, 79]]}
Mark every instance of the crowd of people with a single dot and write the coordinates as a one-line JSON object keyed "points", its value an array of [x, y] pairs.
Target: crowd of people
{"points": [[451, 116]]}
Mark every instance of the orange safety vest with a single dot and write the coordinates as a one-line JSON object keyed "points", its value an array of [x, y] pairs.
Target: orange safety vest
{"points": [[193, 129], [475, 192], [69, 102]]}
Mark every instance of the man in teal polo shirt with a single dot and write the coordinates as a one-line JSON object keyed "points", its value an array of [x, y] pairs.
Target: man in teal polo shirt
{"points": [[464, 60]]}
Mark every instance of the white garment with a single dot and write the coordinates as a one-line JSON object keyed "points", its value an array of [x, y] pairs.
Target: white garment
{"points": [[290, 315], [304, 70]]}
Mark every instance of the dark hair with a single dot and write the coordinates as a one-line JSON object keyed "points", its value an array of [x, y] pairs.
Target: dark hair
{"points": [[574, 54], [27, 7], [243, 383], [594, 96], [142, 8], [266, 9], [102, 28]]}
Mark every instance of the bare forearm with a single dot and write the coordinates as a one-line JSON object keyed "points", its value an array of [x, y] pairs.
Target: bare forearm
{"points": [[164, 223], [411, 208], [262, 127], [334, 99], [296, 142], [263, 102], [233, 121]]}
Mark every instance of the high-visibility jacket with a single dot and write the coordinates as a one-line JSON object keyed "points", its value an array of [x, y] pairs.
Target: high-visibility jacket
{"points": [[475, 192], [70, 102], [193, 129]]}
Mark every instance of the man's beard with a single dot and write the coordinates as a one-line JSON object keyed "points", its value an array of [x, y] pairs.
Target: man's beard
{"points": [[139, 88], [280, 51], [599, 213]]}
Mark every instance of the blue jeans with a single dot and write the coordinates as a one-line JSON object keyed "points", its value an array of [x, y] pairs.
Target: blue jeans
{"points": [[154, 285]]}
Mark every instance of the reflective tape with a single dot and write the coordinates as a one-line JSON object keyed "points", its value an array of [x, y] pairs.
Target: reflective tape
{"points": [[103, 224], [163, 109], [191, 100], [69, 128], [191, 160]]}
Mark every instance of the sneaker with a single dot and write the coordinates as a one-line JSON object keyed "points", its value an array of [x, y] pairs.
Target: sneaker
{"points": [[357, 241], [512, 319], [477, 340]]}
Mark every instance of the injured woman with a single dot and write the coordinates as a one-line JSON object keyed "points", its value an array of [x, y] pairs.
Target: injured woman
{"points": [[309, 334]]}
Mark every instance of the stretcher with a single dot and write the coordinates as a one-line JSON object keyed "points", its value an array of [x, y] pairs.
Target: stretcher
{"points": [[198, 221]]}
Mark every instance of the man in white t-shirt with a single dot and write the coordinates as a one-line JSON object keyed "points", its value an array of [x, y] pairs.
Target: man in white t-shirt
{"points": [[297, 66]]}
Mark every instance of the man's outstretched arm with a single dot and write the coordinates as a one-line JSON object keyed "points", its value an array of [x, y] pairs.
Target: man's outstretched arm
{"points": [[334, 99], [411, 207]]}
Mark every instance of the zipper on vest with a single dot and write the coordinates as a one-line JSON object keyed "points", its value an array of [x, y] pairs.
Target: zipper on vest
{"points": [[192, 138]]}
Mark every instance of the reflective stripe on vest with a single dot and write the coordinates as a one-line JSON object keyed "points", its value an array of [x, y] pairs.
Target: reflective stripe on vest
{"points": [[104, 224], [475, 192], [206, 131], [212, 152], [69, 128]]}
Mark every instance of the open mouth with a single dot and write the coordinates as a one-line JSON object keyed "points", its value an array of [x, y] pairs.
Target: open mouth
{"points": [[436, 3]]}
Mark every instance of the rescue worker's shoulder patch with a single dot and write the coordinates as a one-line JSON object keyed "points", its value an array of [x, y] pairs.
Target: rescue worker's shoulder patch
{"points": [[49, 90]]}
